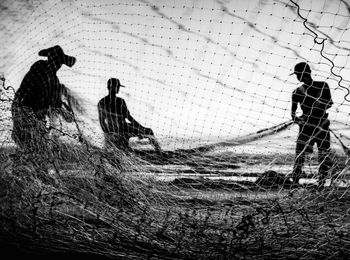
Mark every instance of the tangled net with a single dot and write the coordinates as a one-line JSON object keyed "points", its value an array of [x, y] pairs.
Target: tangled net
{"points": [[73, 197], [111, 205]]}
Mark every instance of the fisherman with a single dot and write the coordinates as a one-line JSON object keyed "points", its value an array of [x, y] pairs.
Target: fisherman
{"points": [[116, 121], [39, 93], [314, 98]]}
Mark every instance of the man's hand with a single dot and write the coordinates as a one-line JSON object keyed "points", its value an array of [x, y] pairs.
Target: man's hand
{"points": [[300, 120], [67, 116], [148, 131]]}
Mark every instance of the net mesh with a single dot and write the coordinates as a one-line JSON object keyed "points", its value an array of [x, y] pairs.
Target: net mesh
{"points": [[212, 80]]}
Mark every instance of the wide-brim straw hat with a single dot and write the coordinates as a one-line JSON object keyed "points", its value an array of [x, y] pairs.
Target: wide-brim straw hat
{"points": [[56, 52]]}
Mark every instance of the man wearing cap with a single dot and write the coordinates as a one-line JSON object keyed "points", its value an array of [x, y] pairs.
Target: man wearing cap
{"points": [[116, 121], [40, 91], [314, 98]]}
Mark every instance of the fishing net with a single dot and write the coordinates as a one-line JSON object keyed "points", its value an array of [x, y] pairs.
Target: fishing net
{"points": [[212, 80]]}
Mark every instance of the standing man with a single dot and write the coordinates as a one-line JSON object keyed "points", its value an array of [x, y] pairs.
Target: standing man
{"points": [[117, 123], [314, 98]]}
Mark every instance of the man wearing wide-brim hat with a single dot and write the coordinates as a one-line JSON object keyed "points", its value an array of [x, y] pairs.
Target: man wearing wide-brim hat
{"points": [[40, 91]]}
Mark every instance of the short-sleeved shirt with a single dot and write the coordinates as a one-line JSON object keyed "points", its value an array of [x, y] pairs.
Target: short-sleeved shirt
{"points": [[307, 96], [116, 113]]}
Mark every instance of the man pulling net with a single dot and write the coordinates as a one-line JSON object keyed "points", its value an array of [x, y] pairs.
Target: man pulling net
{"points": [[314, 98], [39, 96]]}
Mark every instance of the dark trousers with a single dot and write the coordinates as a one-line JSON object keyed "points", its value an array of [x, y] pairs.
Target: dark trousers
{"points": [[309, 134]]}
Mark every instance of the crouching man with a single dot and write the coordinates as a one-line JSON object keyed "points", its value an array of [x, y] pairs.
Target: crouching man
{"points": [[117, 123]]}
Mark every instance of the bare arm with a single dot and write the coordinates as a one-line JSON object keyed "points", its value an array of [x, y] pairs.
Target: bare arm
{"points": [[73, 100], [136, 124], [131, 119], [328, 102], [294, 106]]}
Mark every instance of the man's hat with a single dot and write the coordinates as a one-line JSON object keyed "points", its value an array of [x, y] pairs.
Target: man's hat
{"points": [[57, 52], [301, 67], [114, 82]]}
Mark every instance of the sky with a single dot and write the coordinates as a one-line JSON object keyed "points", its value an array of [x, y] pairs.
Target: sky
{"points": [[201, 70]]}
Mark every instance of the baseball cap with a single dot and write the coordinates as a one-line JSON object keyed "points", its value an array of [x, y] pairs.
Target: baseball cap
{"points": [[301, 67], [114, 82]]}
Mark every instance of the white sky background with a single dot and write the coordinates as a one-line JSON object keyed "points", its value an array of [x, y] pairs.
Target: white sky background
{"points": [[207, 70]]}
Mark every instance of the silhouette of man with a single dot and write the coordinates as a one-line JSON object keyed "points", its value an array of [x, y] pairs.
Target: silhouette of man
{"points": [[116, 121], [314, 98], [40, 91]]}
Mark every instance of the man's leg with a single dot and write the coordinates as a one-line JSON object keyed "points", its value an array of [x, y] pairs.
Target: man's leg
{"points": [[298, 164], [325, 165], [303, 140], [324, 158]]}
